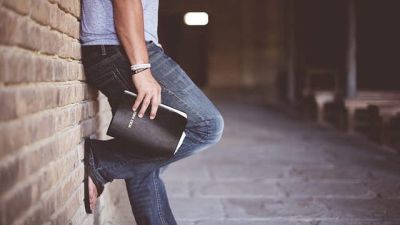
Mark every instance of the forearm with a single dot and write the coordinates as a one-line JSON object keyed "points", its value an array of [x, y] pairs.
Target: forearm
{"points": [[129, 25]]}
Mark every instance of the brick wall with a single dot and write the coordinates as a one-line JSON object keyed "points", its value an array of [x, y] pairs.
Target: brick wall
{"points": [[46, 110]]}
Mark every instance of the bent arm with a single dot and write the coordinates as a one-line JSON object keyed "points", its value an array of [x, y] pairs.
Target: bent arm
{"points": [[129, 25]]}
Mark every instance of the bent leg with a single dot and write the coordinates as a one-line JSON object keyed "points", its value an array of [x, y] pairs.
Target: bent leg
{"points": [[115, 159]]}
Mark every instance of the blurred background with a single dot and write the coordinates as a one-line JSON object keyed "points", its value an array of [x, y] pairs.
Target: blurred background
{"points": [[309, 91]]}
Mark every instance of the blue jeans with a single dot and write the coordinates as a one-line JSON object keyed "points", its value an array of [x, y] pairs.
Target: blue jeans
{"points": [[107, 68]]}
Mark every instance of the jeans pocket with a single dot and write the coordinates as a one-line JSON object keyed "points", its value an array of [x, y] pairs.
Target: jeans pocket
{"points": [[106, 81], [93, 58]]}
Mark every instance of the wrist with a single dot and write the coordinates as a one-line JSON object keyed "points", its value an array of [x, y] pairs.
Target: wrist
{"points": [[143, 73], [137, 68]]}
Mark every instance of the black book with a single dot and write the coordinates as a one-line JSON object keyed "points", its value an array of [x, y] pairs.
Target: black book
{"points": [[159, 137]]}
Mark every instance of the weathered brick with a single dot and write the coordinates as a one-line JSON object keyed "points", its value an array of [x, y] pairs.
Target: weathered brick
{"points": [[70, 48], [50, 47], [68, 210], [28, 34], [32, 160], [9, 172], [65, 49], [3, 214], [42, 10], [70, 197], [8, 109], [17, 66], [15, 206], [10, 24], [20, 6], [8, 141], [68, 24], [46, 106], [72, 6], [34, 98], [63, 21], [40, 213], [57, 212], [37, 186], [39, 126], [76, 49], [44, 69]]}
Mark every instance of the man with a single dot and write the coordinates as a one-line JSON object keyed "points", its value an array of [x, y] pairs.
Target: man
{"points": [[115, 35]]}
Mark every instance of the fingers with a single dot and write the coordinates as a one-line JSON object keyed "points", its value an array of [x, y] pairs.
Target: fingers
{"points": [[145, 100], [154, 106], [145, 104], [149, 92], [138, 100]]}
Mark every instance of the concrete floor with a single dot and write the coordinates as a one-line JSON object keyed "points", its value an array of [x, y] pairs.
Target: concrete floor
{"points": [[273, 169]]}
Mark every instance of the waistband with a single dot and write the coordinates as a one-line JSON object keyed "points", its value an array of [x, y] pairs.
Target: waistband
{"points": [[108, 49]]}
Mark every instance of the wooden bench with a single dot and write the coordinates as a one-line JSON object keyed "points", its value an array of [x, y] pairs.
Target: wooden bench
{"points": [[390, 133], [331, 108], [364, 99], [322, 85], [321, 99]]}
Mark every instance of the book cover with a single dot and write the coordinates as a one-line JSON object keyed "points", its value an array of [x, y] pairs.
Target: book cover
{"points": [[160, 137]]}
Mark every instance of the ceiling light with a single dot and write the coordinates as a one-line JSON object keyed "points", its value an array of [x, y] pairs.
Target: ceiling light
{"points": [[196, 18]]}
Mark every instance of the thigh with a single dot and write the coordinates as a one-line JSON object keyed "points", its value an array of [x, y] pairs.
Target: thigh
{"points": [[179, 91], [112, 75]]}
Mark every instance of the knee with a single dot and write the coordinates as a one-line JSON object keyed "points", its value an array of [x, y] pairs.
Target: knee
{"points": [[207, 131], [215, 129]]}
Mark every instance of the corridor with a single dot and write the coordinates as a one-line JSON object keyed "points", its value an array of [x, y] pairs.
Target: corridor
{"points": [[271, 168]]}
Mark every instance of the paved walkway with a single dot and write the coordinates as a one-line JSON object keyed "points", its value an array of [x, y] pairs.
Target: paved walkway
{"points": [[271, 169]]}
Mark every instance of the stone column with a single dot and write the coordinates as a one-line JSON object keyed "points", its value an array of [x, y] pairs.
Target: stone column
{"points": [[291, 51], [351, 82]]}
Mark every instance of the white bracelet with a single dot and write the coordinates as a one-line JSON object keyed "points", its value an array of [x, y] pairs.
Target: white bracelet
{"points": [[140, 66]]}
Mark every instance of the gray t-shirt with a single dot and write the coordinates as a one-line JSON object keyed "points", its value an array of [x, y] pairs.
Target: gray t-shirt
{"points": [[97, 22]]}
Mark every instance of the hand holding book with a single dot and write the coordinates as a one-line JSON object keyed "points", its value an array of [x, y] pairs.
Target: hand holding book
{"points": [[159, 137]]}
